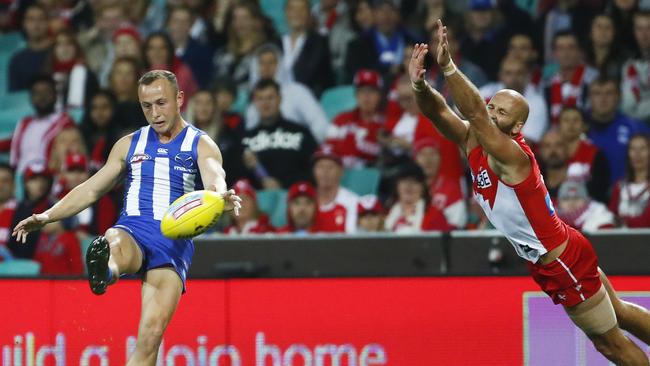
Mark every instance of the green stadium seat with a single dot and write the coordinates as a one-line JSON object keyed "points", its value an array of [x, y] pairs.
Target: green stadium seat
{"points": [[77, 114], [9, 119], [20, 268], [241, 103], [274, 9], [338, 99], [16, 100], [273, 203], [19, 190], [361, 181], [84, 247], [10, 42]]}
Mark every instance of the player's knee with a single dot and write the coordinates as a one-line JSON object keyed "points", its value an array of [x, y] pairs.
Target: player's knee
{"points": [[613, 348], [151, 335]]}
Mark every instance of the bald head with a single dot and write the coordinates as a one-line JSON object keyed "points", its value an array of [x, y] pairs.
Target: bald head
{"points": [[509, 110]]}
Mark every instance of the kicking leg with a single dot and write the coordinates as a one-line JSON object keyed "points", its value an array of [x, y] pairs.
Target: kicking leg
{"points": [[116, 251], [596, 317], [631, 317], [161, 290]]}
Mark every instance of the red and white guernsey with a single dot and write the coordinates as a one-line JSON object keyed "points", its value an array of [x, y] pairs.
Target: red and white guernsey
{"points": [[523, 212]]}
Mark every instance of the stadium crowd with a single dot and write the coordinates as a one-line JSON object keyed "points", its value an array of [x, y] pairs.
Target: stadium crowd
{"points": [[255, 75]]}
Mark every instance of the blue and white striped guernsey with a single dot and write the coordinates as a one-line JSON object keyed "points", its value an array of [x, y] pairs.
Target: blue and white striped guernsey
{"points": [[158, 173]]}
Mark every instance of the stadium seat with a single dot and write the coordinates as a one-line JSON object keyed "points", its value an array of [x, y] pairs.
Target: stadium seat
{"points": [[361, 181], [19, 191], [20, 268], [241, 103], [84, 247], [274, 9], [77, 114], [10, 42], [9, 119], [16, 100], [338, 99], [273, 203]]}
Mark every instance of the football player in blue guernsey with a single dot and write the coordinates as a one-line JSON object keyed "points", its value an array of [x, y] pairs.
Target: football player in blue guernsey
{"points": [[161, 162]]}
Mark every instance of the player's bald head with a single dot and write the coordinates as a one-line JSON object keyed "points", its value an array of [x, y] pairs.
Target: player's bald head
{"points": [[517, 103]]}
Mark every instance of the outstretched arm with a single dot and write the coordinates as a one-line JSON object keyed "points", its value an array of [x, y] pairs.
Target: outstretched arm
{"points": [[213, 175], [82, 195], [470, 104], [432, 104]]}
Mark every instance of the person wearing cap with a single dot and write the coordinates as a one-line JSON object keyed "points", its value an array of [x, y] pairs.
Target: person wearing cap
{"points": [[577, 209], [410, 200], [7, 207], [371, 214], [34, 135], [382, 47], [37, 181], [250, 220], [278, 151], [448, 209], [298, 102], [127, 42], [302, 210], [337, 206], [354, 134]]}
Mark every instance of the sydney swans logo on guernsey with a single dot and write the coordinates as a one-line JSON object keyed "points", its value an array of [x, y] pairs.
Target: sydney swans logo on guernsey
{"points": [[139, 158], [483, 179]]}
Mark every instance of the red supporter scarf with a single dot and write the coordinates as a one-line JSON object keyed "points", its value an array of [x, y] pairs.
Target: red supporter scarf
{"points": [[557, 101], [633, 75]]}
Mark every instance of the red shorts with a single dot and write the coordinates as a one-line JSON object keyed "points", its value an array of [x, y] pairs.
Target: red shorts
{"points": [[573, 277]]}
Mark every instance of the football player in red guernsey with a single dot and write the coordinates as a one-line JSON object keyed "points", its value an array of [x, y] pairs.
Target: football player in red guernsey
{"points": [[508, 186]]}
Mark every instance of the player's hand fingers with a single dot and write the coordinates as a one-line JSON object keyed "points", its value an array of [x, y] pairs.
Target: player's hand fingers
{"points": [[421, 74]]}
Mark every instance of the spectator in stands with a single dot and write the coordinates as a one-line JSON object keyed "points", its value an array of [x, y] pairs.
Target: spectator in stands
{"points": [[635, 85], [244, 26], [631, 195], [603, 50], [25, 62], [194, 53], [68, 141], [100, 127], [610, 129], [278, 151], [58, 251], [225, 128], [7, 208], [587, 163], [623, 12], [298, 103], [370, 214], [360, 20], [127, 43], [159, 54], [577, 209], [306, 53], [353, 134], [302, 210], [566, 16], [514, 75], [37, 181], [567, 87], [95, 219], [484, 36], [448, 210], [427, 13], [75, 83], [97, 41], [225, 93], [434, 75], [337, 206], [33, 137], [380, 48], [522, 48], [250, 220], [553, 157], [407, 213], [327, 14], [123, 82]]}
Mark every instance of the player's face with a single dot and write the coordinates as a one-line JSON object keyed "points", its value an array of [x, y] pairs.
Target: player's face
{"points": [[302, 210], [553, 150], [6, 185], [267, 102], [368, 99], [101, 111], [500, 110], [642, 31], [327, 173], [204, 107], [571, 125], [161, 105], [604, 98], [409, 190], [268, 63], [639, 153], [428, 159]]}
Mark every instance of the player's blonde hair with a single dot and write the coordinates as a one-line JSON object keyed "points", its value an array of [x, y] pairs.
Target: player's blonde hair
{"points": [[153, 75]]}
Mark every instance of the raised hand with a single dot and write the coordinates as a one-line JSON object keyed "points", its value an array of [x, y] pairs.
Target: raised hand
{"points": [[442, 53], [32, 223], [416, 65], [232, 201]]}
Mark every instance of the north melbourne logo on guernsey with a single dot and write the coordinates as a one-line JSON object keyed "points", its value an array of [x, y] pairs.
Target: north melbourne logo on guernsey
{"points": [[483, 179], [278, 139], [184, 159]]}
